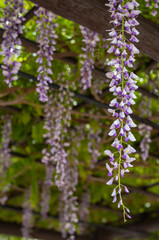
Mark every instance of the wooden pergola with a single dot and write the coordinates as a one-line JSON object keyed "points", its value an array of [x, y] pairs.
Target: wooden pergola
{"points": [[92, 14]]}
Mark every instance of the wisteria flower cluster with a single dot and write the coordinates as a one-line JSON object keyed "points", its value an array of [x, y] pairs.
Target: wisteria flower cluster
{"points": [[55, 154], [57, 122], [27, 220], [11, 44], [84, 210], [122, 85], [94, 140], [68, 206], [90, 39], [46, 38], [145, 130], [4, 196], [46, 190], [154, 4], [5, 149]]}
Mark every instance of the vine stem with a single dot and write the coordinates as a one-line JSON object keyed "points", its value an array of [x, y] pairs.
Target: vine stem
{"points": [[122, 122]]}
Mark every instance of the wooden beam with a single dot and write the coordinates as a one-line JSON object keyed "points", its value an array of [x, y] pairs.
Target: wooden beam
{"points": [[29, 15], [14, 229], [94, 15], [142, 228]]}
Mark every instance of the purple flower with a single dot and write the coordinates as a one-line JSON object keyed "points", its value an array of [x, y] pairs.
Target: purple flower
{"points": [[145, 130], [114, 199], [57, 122], [114, 193], [5, 149], [46, 191], [46, 38], [11, 44], [109, 170], [90, 39], [126, 189], [94, 140], [68, 202], [110, 182], [84, 210], [122, 85], [110, 154], [27, 220], [152, 5]]}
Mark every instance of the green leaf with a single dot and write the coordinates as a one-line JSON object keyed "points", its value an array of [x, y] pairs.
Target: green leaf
{"points": [[37, 132], [25, 117]]}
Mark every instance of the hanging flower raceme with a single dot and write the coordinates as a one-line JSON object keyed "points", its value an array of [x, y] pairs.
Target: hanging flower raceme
{"points": [[154, 5], [123, 86], [57, 122], [3, 194], [46, 191], [94, 140], [5, 149], [11, 42], [145, 130], [84, 210], [68, 206], [55, 154], [46, 38], [90, 39], [27, 220]]}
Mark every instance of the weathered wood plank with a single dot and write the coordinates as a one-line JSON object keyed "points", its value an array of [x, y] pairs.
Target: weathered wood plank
{"points": [[14, 229], [94, 15]]}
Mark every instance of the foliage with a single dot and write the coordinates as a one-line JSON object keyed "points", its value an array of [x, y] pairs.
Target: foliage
{"points": [[27, 139]]}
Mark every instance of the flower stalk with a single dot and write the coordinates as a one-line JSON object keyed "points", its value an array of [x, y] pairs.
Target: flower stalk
{"points": [[123, 85]]}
